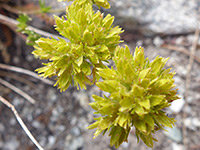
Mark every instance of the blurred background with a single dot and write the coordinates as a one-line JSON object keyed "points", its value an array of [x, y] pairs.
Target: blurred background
{"points": [[59, 120]]}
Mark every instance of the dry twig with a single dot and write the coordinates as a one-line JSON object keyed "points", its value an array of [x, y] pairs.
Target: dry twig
{"points": [[13, 24], [9, 105], [20, 92], [188, 81], [17, 78], [24, 71], [23, 9], [182, 50], [20, 10]]}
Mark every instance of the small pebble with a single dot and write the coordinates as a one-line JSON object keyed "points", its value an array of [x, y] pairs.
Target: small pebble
{"points": [[157, 41], [177, 105], [180, 40], [75, 131], [11, 144], [139, 43], [12, 121], [30, 58], [36, 124], [176, 146], [125, 145], [52, 94], [51, 140], [73, 121], [196, 122], [174, 134], [190, 38], [192, 123], [17, 101]]}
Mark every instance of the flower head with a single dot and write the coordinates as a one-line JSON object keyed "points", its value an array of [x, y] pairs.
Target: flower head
{"points": [[92, 40], [139, 90]]}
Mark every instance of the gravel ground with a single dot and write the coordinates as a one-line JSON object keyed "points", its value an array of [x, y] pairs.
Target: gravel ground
{"points": [[59, 120]]}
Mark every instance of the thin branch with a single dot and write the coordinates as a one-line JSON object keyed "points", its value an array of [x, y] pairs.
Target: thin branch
{"points": [[28, 133], [24, 71], [17, 78], [21, 10], [15, 89], [188, 80], [178, 49], [13, 23]]}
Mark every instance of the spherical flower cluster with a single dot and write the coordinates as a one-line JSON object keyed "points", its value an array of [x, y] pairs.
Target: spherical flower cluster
{"points": [[92, 40], [139, 91]]}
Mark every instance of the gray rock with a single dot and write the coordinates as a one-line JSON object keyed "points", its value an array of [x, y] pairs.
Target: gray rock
{"points": [[57, 5], [174, 134], [155, 16], [150, 16], [176, 146], [177, 105], [125, 145]]}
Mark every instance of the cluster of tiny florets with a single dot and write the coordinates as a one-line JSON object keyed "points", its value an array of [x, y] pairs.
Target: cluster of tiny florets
{"points": [[139, 90], [92, 40]]}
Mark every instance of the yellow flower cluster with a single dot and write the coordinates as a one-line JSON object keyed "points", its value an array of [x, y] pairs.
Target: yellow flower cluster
{"points": [[92, 40], [139, 90]]}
